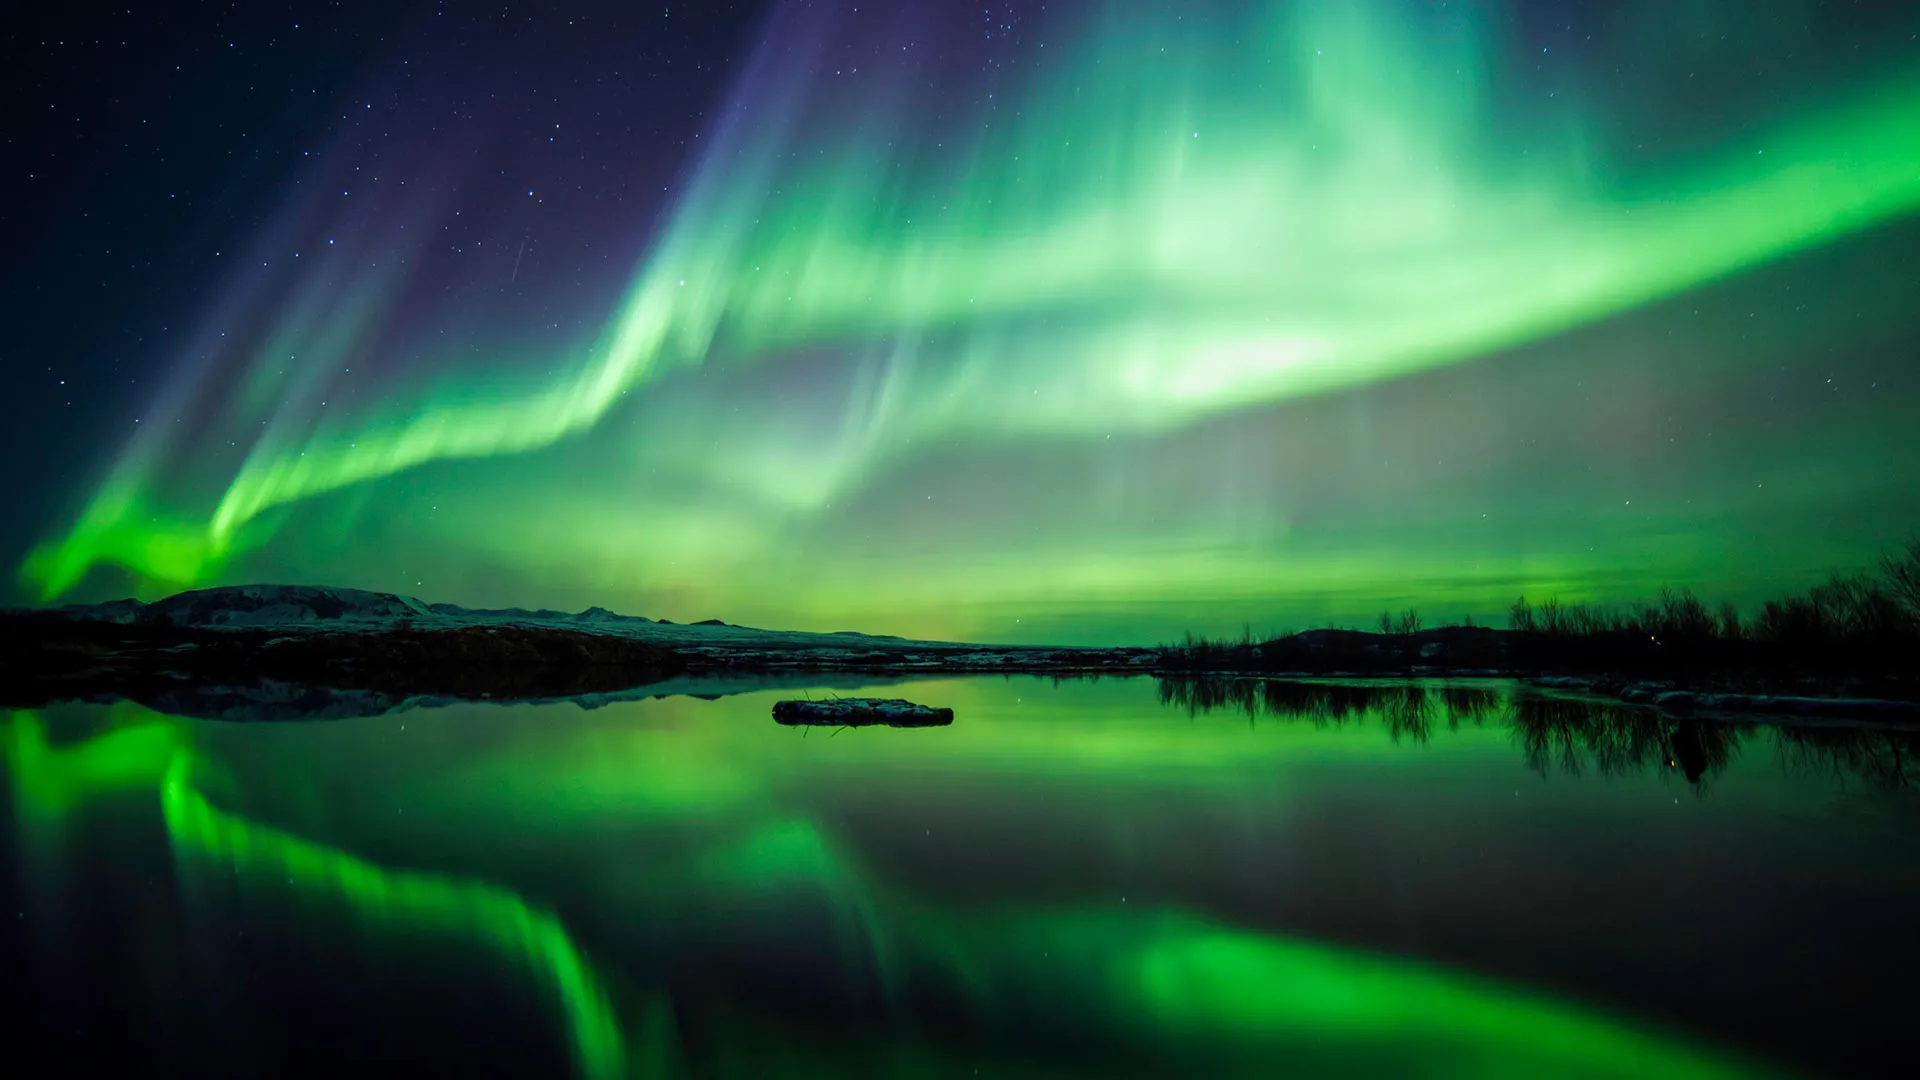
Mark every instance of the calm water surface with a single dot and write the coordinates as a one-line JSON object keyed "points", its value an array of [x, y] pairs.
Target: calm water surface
{"points": [[1112, 878]]}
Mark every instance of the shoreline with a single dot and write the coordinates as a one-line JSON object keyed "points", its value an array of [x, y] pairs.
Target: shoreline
{"points": [[281, 645]]}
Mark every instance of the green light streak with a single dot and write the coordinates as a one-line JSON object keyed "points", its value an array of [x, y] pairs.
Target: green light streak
{"points": [[409, 901], [1246, 214], [49, 782], [1216, 982]]}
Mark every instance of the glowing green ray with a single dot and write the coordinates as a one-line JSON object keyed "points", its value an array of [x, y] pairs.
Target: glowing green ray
{"points": [[489, 913], [1215, 981], [116, 528], [50, 781], [1314, 201]]}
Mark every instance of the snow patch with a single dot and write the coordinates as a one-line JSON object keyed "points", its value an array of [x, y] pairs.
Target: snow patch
{"points": [[255, 606]]}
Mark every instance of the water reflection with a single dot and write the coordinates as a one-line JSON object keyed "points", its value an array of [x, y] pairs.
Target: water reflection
{"points": [[1569, 735], [146, 751], [686, 890], [400, 900], [1579, 736], [1409, 710]]}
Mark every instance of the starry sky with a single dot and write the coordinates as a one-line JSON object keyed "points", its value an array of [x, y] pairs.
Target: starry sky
{"points": [[1073, 321]]}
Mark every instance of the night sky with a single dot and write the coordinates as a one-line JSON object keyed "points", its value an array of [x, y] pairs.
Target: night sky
{"points": [[1074, 321]]}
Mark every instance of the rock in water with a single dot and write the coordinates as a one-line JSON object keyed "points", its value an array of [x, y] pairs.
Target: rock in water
{"points": [[860, 712]]}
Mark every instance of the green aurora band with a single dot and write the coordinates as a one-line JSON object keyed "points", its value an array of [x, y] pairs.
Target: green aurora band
{"points": [[50, 783], [1172, 221], [1182, 983], [412, 900]]}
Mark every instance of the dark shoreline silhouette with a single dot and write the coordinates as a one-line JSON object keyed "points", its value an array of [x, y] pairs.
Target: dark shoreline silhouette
{"points": [[1849, 648], [1854, 636]]}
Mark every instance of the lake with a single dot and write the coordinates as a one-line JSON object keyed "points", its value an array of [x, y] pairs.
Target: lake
{"points": [[1102, 878]]}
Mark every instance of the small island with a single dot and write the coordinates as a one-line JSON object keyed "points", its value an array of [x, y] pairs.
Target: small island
{"points": [[860, 712]]}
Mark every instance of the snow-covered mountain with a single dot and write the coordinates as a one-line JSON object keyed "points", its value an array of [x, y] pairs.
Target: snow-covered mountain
{"points": [[298, 608], [267, 606]]}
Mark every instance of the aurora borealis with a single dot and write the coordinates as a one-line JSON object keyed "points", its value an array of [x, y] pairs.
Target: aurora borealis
{"points": [[1097, 322]]}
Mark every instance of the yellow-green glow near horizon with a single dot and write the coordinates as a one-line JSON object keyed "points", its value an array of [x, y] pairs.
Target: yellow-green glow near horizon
{"points": [[1160, 223]]}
